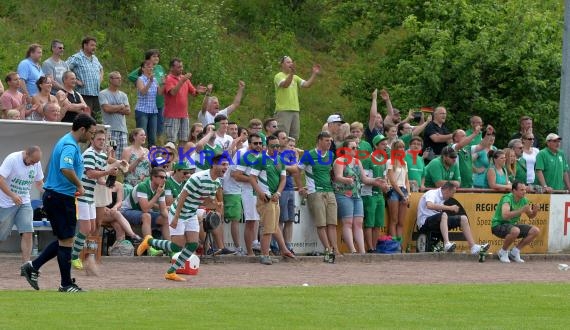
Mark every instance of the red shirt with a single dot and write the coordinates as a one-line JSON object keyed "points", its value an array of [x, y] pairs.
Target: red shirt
{"points": [[176, 106]]}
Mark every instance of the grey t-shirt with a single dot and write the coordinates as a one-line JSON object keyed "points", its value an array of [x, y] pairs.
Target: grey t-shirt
{"points": [[55, 70], [115, 120]]}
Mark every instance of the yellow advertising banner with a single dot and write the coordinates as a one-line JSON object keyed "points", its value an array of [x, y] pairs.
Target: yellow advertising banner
{"points": [[480, 208]]}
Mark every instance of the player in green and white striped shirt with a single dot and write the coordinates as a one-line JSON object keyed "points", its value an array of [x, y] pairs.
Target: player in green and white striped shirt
{"points": [[199, 191]]}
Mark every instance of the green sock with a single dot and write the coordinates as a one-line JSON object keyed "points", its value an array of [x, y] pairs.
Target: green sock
{"points": [[78, 243], [164, 245]]}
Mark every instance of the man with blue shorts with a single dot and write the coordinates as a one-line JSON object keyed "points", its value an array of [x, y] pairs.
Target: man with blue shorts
{"points": [[62, 185], [17, 173]]}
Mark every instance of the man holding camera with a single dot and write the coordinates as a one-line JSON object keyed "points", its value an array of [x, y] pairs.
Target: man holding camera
{"points": [[505, 223], [115, 105]]}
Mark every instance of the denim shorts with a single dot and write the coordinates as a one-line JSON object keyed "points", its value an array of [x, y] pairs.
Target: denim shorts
{"points": [[349, 207], [19, 215], [394, 196]]}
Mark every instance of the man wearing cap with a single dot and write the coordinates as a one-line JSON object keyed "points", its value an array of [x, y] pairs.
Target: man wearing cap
{"points": [[442, 169], [287, 85], [551, 167], [333, 127]]}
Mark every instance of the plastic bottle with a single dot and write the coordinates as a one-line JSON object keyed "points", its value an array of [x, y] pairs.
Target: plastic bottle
{"points": [[35, 245]]}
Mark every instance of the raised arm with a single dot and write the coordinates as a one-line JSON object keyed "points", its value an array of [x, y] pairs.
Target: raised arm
{"points": [[316, 70], [373, 110], [237, 99]]}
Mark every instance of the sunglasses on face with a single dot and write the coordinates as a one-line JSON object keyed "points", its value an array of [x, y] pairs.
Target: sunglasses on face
{"points": [[163, 177], [186, 173], [257, 143]]}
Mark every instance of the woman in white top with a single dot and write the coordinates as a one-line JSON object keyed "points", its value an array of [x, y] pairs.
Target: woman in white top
{"points": [[529, 155], [398, 197]]}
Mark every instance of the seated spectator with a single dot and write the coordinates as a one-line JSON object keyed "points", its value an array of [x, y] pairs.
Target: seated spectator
{"points": [[461, 145], [416, 165], [436, 134], [551, 166], [443, 169], [137, 157], [13, 114], [525, 123], [529, 157], [146, 204], [479, 154], [434, 215], [111, 216], [70, 101], [51, 112], [505, 223], [211, 106], [496, 175], [42, 98], [12, 98]]}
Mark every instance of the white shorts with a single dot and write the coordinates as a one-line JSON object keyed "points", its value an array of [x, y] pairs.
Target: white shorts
{"points": [[85, 211], [183, 226], [249, 201]]}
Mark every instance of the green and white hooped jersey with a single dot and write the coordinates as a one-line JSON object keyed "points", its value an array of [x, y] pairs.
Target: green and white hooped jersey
{"points": [[92, 160], [199, 187]]}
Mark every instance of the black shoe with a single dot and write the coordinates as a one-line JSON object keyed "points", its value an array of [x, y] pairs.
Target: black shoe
{"points": [[71, 288], [371, 251], [31, 275]]}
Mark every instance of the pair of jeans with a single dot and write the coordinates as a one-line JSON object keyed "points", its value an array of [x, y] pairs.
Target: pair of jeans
{"points": [[148, 122]]}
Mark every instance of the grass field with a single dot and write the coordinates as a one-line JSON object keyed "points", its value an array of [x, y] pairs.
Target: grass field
{"points": [[481, 306]]}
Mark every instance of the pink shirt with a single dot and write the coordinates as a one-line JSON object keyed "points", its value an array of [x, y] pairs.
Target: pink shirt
{"points": [[11, 101], [176, 106]]}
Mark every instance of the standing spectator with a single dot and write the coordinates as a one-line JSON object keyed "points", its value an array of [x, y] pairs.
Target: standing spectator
{"points": [[146, 112], [517, 146], [42, 98], [12, 98], [137, 157], [62, 185], [30, 71], [177, 87], [211, 106], [357, 129], [115, 106], [89, 74], [436, 134], [270, 126], [525, 123], [461, 144], [375, 122], [54, 67], [480, 157], [321, 200], [223, 140], [287, 85], [551, 166], [475, 121], [18, 171], [232, 129], [333, 127], [505, 223], [415, 163], [442, 169], [407, 131], [511, 163], [529, 157], [398, 195], [70, 101], [497, 177], [159, 75]]}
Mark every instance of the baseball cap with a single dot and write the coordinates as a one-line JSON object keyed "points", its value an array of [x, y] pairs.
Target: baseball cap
{"points": [[182, 166], [335, 119], [552, 137], [170, 145], [378, 138], [449, 152]]}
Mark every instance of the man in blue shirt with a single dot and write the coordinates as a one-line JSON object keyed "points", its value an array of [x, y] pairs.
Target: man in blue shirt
{"points": [[62, 185], [30, 70]]}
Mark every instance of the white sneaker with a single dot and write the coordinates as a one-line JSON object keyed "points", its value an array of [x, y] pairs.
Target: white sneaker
{"points": [[503, 256], [449, 247], [475, 249], [515, 254]]}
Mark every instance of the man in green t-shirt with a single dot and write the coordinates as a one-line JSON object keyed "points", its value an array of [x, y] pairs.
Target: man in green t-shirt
{"points": [[461, 145], [551, 166], [287, 85], [442, 169], [505, 222]]}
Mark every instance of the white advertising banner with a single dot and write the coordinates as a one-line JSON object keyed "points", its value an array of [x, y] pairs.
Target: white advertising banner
{"points": [[559, 223]]}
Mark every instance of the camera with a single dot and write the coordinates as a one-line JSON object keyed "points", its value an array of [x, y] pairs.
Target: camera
{"points": [[417, 115], [113, 144]]}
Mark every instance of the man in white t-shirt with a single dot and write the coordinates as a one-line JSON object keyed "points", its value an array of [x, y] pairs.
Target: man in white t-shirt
{"points": [[225, 141], [17, 173], [434, 215], [211, 107]]}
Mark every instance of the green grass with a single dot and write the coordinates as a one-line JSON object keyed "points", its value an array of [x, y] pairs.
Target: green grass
{"points": [[498, 306]]}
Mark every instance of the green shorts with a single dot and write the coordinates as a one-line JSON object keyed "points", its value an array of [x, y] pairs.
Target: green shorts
{"points": [[232, 207], [374, 209]]}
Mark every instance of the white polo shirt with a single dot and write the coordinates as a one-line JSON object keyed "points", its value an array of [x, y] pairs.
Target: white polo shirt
{"points": [[436, 197]]}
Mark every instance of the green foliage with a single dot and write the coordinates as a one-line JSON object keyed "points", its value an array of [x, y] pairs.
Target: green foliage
{"points": [[499, 60]]}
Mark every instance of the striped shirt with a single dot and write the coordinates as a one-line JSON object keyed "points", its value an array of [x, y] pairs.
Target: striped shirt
{"points": [[92, 160], [88, 70], [199, 187], [147, 103]]}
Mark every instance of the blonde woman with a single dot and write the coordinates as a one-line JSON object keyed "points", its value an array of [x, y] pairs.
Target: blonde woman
{"points": [[398, 197], [511, 163], [529, 156], [137, 157]]}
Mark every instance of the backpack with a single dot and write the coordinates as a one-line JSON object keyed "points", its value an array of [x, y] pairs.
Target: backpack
{"points": [[122, 248]]}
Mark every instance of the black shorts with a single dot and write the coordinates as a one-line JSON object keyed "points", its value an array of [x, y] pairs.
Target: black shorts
{"points": [[503, 230], [61, 212], [432, 222]]}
